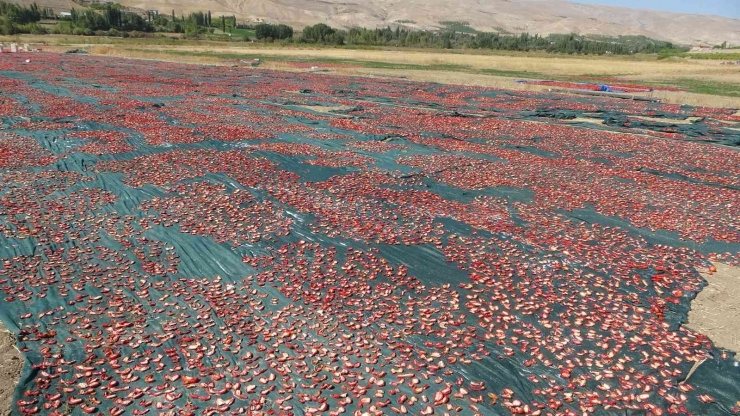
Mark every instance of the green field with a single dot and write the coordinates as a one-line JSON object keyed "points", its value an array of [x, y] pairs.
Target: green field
{"points": [[719, 56], [237, 32]]}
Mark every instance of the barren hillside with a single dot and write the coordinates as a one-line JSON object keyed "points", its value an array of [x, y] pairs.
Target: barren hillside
{"points": [[536, 16]]}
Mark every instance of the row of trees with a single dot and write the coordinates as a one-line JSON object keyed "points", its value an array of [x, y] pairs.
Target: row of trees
{"points": [[21, 19], [194, 24], [569, 43], [559, 43], [16, 19], [469, 39], [112, 17], [22, 15], [319, 33]]}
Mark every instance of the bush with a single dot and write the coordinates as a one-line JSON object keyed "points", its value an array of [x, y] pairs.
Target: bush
{"points": [[62, 28], [78, 31], [192, 35], [8, 28], [35, 29], [114, 33]]}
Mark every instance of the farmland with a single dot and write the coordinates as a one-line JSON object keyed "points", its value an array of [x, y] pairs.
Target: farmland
{"points": [[189, 239]]}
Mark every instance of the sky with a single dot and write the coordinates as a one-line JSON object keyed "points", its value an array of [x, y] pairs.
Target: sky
{"points": [[727, 8]]}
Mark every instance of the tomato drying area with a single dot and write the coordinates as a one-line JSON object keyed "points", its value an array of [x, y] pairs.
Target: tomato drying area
{"points": [[187, 240]]}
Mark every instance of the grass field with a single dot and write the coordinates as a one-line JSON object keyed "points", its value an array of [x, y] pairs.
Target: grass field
{"points": [[240, 33], [716, 56], [706, 82]]}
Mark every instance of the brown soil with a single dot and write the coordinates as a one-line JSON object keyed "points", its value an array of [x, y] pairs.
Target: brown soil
{"points": [[326, 109], [11, 363], [716, 310], [586, 120]]}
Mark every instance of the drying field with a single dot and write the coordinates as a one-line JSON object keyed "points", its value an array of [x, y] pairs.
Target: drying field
{"points": [[183, 239]]}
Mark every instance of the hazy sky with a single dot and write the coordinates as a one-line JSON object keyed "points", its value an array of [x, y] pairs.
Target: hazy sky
{"points": [[728, 8]]}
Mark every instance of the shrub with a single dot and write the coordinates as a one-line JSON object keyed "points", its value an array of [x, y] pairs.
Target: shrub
{"points": [[35, 29]]}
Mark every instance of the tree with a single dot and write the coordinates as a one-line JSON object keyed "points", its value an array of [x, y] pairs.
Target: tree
{"points": [[21, 15], [263, 31], [446, 41], [8, 27], [112, 16], [283, 32], [317, 33], [339, 38]]}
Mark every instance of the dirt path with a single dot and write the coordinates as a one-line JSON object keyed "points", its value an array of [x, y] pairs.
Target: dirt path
{"points": [[716, 310], [11, 363]]}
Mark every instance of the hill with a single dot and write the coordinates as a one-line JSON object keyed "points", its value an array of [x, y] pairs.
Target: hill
{"points": [[515, 16]]}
